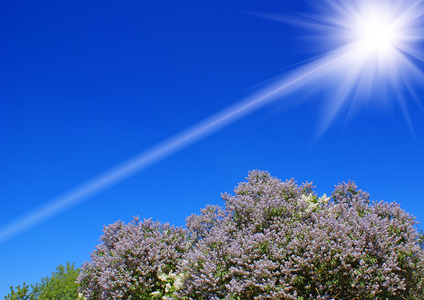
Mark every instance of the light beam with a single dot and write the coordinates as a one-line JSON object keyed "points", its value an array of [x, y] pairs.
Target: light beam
{"points": [[153, 155]]}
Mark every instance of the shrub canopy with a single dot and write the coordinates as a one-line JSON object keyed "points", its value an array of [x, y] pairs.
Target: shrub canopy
{"points": [[272, 240], [61, 285]]}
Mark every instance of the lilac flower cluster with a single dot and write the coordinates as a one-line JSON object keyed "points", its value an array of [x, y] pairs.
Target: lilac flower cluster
{"points": [[130, 261], [273, 240]]}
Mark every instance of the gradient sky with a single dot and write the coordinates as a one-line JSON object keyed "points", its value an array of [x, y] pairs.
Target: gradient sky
{"points": [[86, 85]]}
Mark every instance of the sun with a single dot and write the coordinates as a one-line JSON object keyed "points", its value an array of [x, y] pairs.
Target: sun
{"points": [[376, 37], [376, 29], [373, 50]]}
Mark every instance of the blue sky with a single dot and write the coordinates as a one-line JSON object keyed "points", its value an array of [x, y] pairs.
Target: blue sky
{"points": [[86, 85]]}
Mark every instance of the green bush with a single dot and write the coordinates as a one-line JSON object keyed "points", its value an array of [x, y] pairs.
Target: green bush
{"points": [[61, 285]]}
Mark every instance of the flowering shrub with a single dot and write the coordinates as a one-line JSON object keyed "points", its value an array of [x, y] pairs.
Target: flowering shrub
{"points": [[273, 240], [130, 261]]}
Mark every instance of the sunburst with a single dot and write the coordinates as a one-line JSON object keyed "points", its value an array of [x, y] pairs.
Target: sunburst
{"points": [[376, 47]]}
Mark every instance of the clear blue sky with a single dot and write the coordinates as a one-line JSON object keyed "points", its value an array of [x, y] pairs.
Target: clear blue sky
{"points": [[86, 85]]}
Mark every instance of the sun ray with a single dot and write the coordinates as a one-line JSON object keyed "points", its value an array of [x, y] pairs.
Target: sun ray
{"points": [[378, 39]]}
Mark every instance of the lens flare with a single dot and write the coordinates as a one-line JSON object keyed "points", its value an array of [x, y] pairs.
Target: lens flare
{"points": [[379, 44]]}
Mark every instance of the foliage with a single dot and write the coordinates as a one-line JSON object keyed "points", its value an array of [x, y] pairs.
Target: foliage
{"points": [[61, 285], [273, 240], [21, 293]]}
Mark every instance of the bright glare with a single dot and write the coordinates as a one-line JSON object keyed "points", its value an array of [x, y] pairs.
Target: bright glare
{"points": [[376, 36], [376, 28], [375, 45]]}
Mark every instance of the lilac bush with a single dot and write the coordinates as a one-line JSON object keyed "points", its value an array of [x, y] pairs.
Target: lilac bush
{"points": [[273, 240], [132, 261], [280, 241]]}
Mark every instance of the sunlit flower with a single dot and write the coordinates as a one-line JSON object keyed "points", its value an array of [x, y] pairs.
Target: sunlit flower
{"points": [[155, 294]]}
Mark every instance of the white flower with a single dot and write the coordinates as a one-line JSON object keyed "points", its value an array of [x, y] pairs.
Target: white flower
{"points": [[314, 202], [312, 206], [81, 296], [161, 276], [167, 287], [324, 199], [172, 275], [155, 294], [178, 283], [307, 199]]}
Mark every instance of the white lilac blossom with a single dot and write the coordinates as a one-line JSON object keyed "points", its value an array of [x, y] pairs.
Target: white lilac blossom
{"points": [[313, 202], [273, 240]]}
